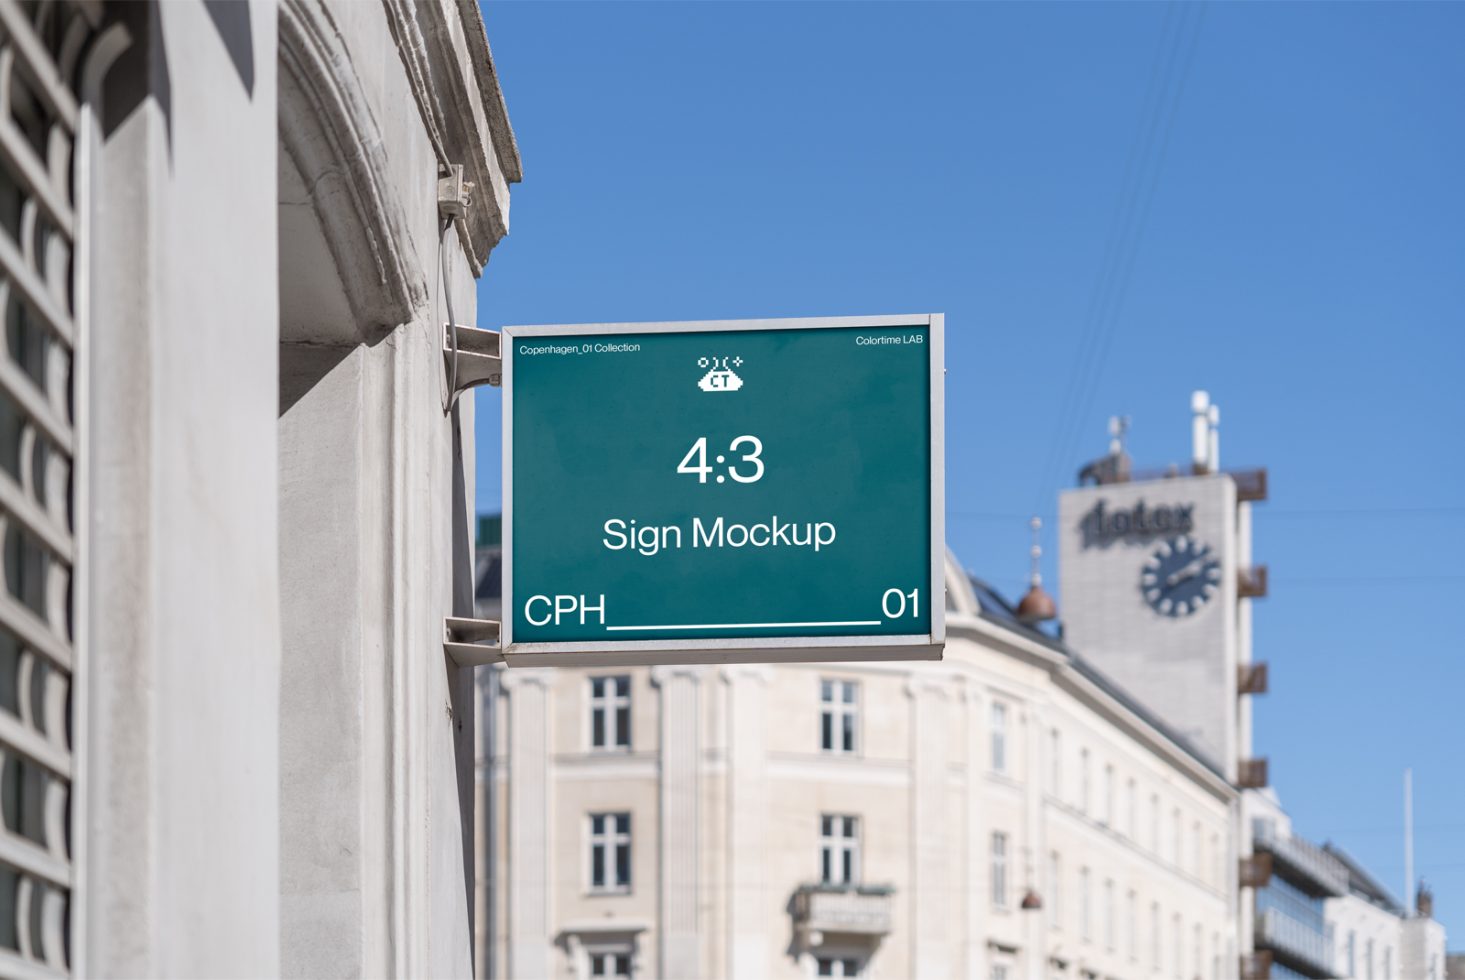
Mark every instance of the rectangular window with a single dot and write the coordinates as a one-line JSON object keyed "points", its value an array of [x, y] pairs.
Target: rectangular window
{"points": [[1131, 923], [1218, 863], [837, 966], [1055, 770], [1352, 953], [1198, 842], [610, 712], [839, 850], [1055, 889], [1175, 844], [1085, 906], [1129, 809], [999, 737], [616, 966], [1155, 959], [1197, 943], [610, 852], [838, 714], [999, 971], [1083, 780], [1179, 939], [1388, 963], [1368, 960], [999, 870], [1108, 791], [1109, 940], [1155, 829]]}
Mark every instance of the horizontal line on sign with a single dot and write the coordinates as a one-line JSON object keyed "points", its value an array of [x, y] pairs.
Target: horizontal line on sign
{"points": [[743, 626]]}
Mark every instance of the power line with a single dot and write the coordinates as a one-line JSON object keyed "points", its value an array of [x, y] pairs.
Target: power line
{"points": [[1304, 512], [1169, 74]]}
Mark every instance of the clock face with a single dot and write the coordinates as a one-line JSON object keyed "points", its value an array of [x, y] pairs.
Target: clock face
{"points": [[1180, 577]]}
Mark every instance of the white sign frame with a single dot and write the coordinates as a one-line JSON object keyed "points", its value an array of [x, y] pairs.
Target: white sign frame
{"points": [[725, 650]]}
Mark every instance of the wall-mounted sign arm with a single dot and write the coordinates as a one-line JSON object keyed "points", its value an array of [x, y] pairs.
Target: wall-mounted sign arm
{"points": [[472, 642], [479, 361]]}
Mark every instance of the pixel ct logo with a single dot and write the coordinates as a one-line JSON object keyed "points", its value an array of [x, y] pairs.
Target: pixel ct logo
{"points": [[720, 375]]}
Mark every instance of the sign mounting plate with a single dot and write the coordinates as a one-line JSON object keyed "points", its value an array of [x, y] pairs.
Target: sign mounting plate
{"points": [[724, 491]]}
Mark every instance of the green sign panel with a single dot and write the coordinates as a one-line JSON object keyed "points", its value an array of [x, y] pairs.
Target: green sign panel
{"points": [[762, 490]]}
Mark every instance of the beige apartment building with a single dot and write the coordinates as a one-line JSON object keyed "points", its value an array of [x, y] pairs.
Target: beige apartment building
{"points": [[1006, 813]]}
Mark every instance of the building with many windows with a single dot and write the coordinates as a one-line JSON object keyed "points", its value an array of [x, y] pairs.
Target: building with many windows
{"points": [[1294, 881], [1027, 808], [1008, 812], [1367, 924]]}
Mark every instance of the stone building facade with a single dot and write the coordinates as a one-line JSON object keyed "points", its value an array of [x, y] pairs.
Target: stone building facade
{"points": [[234, 483], [1006, 813]]}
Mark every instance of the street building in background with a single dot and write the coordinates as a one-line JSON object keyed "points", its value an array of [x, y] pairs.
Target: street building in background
{"points": [[1071, 802], [1374, 935], [1008, 812]]}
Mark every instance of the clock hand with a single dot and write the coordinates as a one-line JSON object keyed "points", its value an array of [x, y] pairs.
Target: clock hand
{"points": [[1189, 570]]}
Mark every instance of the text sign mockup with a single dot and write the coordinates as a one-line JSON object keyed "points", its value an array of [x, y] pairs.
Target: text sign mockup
{"points": [[729, 490]]}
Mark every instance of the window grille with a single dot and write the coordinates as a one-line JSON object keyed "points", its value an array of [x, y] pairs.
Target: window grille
{"points": [[610, 712], [838, 715], [610, 852], [839, 849], [41, 47]]}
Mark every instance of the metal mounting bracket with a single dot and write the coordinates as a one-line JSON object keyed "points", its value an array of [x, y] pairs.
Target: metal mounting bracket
{"points": [[479, 361], [472, 642]]}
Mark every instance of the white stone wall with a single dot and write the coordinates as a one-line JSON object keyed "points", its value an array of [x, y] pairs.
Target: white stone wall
{"points": [[178, 838], [277, 773], [742, 773], [1183, 668], [1423, 950], [1374, 934]]}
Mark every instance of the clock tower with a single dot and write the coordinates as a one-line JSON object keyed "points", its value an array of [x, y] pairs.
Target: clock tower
{"points": [[1156, 582]]}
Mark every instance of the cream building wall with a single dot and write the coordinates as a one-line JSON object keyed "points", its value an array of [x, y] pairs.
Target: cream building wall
{"points": [[1115, 828], [1366, 938]]}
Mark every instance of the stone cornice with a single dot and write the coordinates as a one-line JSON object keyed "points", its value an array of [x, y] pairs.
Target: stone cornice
{"points": [[505, 145], [328, 130], [444, 52]]}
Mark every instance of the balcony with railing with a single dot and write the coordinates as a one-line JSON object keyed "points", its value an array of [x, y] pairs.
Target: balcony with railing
{"points": [[1295, 944], [1252, 678], [1256, 965], [858, 910], [1251, 583], [1251, 484], [1311, 868]]}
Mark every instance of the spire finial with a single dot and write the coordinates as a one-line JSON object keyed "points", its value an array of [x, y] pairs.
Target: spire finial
{"points": [[1037, 606], [1035, 578]]}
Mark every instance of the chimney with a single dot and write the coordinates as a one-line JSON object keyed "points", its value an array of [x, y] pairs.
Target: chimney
{"points": [[1200, 431]]}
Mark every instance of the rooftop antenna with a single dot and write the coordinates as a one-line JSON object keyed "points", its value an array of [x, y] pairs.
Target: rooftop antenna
{"points": [[1213, 446], [1118, 429], [1200, 431]]}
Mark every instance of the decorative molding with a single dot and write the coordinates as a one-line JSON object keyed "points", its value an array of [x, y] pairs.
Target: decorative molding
{"points": [[730, 673], [523, 676], [505, 145], [465, 125], [327, 128], [662, 673], [944, 684]]}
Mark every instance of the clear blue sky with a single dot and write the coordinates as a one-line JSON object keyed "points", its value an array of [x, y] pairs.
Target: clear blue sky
{"points": [[1286, 230]]}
